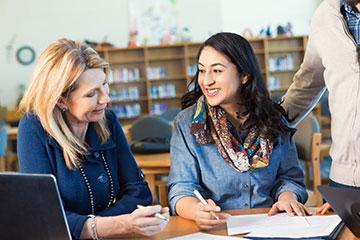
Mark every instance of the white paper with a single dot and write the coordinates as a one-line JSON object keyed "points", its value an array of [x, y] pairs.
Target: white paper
{"points": [[282, 225], [203, 236]]}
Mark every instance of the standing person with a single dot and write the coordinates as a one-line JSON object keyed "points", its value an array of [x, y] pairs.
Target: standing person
{"points": [[332, 61], [231, 142], [68, 132]]}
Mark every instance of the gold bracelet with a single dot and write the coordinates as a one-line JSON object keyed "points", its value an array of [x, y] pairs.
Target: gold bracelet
{"points": [[94, 227]]}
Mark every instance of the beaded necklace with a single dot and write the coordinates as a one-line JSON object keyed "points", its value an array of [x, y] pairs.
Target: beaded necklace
{"points": [[91, 196]]}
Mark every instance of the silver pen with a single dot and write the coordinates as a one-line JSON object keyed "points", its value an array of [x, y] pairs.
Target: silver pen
{"points": [[158, 215]]}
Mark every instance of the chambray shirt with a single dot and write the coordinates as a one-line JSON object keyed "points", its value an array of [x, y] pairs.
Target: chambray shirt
{"points": [[40, 153], [353, 20], [201, 167]]}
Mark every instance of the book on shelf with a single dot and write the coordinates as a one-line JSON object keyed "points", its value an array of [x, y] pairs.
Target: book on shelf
{"points": [[191, 70], [130, 93], [281, 63], [124, 75], [154, 73], [158, 108], [127, 111], [163, 90]]}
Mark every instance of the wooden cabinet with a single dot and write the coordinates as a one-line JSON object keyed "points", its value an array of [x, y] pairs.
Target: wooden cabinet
{"points": [[150, 80]]}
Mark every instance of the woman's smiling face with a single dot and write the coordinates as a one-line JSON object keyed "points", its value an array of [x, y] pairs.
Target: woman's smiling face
{"points": [[218, 78]]}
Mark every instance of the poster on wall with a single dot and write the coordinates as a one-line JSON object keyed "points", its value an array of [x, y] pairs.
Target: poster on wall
{"points": [[155, 22]]}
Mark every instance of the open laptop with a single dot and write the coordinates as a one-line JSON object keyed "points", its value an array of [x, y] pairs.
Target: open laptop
{"points": [[346, 203], [31, 208]]}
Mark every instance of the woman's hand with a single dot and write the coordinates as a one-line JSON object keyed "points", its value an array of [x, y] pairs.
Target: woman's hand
{"points": [[323, 209], [204, 219], [144, 222], [288, 202]]}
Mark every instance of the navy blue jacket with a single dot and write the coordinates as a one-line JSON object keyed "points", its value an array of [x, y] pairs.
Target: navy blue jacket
{"points": [[40, 153]]}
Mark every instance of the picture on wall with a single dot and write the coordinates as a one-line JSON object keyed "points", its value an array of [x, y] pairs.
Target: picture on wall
{"points": [[153, 22]]}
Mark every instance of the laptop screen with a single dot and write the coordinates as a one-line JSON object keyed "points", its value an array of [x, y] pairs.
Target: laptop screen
{"points": [[31, 207]]}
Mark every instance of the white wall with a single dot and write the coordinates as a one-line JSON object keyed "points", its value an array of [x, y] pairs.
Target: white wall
{"points": [[39, 22], [203, 17], [240, 14]]}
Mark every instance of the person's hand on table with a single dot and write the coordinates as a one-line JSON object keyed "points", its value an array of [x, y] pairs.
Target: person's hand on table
{"points": [[324, 209], [288, 202]]}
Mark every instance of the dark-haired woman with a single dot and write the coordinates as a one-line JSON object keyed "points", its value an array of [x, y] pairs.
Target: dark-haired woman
{"points": [[231, 142]]}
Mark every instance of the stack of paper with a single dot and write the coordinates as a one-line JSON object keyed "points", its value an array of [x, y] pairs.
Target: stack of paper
{"points": [[282, 225], [204, 236]]}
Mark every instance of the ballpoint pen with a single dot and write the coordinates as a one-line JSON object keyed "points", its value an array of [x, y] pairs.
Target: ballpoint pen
{"points": [[202, 200], [158, 215]]}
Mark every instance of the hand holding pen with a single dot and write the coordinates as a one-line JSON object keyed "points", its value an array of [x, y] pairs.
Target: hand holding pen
{"points": [[203, 201], [158, 215], [145, 220], [208, 214]]}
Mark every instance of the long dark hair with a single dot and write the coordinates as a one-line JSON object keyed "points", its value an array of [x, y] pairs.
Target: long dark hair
{"points": [[353, 4], [263, 113]]}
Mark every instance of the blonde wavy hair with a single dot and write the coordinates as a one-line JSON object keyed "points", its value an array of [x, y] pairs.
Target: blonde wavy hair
{"points": [[55, 75]]}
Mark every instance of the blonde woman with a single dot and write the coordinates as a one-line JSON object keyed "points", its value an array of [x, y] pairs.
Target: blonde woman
{"points": [[68, 132]]}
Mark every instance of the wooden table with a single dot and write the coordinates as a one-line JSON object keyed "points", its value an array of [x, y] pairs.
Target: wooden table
{"points": [[178, 226], [153, 165]]}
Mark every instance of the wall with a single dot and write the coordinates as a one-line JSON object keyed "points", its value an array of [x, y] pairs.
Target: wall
{"points": [[260, 13], [39, 22]]}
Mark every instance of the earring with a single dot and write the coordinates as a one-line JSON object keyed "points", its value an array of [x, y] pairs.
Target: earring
{"points": [[63, 109]]}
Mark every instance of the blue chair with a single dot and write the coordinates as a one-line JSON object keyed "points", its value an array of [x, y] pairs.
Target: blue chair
{"points": [[170, 114], [325, 119], [3, 142], [324, 102], [150, 134]]}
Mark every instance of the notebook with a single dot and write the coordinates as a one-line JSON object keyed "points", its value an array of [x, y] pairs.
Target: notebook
{"points": [[346, 204], [31, 208]]}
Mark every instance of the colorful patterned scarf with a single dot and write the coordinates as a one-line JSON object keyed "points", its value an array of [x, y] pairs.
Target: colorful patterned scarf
{"points": [[210, 125]]}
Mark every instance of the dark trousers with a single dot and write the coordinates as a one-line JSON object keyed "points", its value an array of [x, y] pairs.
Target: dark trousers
{"points": [[339, 185]]}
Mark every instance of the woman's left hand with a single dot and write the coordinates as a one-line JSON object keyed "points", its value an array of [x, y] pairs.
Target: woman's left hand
{"points": [[288, 202]]}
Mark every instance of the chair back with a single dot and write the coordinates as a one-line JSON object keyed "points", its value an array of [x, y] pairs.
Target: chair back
{"points": [[308, 140], [3, 140], [303, 136], [150, 134], [170, 114]]}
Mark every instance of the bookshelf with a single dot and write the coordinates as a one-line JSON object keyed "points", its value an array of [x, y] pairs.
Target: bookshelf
{"points": [[284, 56], [151, 79]]}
